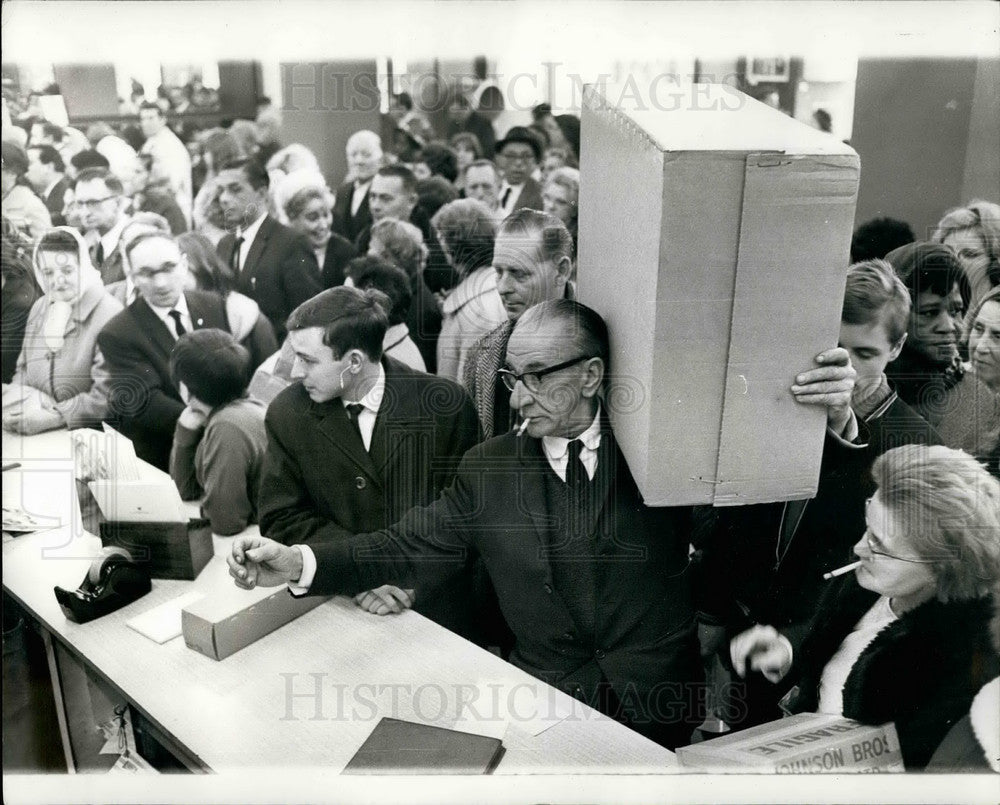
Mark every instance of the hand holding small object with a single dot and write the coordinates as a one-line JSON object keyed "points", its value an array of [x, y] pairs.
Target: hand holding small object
{"points": [[767, 651], [258, 561]]}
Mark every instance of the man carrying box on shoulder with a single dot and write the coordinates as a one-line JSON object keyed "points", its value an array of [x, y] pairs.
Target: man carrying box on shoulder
{"points": [[593, 583]]}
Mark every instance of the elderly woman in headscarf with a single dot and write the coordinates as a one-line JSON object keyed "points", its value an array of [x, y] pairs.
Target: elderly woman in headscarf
{"points": [[61, 379]]}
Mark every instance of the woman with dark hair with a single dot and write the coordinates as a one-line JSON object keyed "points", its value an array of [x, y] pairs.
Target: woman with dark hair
{"points": [[904, 638], [18, 295], [219, 439], [436, 159], [373, 272], [61, 380], [209, 272], [543, 120], [467, 150], [569, 125], [217, 149], [304, 203], [467, 232], [929, 374]]}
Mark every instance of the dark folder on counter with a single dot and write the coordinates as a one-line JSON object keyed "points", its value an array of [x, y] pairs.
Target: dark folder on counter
{"points": [[403, 747]]}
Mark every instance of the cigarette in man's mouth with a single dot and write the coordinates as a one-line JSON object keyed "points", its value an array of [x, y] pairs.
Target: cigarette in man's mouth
{"points": [[840, 571], [524, 427]]}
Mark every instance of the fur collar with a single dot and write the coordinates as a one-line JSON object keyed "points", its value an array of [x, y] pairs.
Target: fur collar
{"points": [[925, 655]]}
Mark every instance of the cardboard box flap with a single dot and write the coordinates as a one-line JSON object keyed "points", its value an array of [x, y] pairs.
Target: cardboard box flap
{"points": [[661, 113], [776, 329]]}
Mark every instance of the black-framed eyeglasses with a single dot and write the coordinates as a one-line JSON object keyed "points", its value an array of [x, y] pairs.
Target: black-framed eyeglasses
{"points": [[92, 203], [875, 547], [533, 379]]}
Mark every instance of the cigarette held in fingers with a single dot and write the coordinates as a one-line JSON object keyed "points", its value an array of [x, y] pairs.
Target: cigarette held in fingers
{"points": [[524, 427], [840, 571]]}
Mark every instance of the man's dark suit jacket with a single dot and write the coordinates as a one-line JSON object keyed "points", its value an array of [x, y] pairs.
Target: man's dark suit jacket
{"points": [[347, 225], [497, 508], [280, 272], [531, 196], [320, 485], [54, 201], [136, 344], [339, 252]]}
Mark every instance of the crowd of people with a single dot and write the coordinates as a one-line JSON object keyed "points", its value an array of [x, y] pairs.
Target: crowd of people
{"points": [[393, 378]]}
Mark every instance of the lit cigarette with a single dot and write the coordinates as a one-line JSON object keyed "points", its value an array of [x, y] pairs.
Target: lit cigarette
{"points": [[524, 427], [840, 571]]}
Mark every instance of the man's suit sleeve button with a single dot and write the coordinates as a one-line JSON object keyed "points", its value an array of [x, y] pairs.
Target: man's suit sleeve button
{"points": [[360, 482], [547, 588]]}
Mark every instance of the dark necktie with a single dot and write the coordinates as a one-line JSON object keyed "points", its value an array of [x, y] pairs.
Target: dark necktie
{"points": [[353, 412], [176, 316], [99, 255], [576, 473], [234, 259], [506, 197]]}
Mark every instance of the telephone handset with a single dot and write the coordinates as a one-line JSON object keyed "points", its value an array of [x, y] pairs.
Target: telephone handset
{"points": [[113, 580]]}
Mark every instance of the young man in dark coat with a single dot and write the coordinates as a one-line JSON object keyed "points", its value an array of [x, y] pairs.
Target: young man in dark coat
{"points": [[359, 441]]}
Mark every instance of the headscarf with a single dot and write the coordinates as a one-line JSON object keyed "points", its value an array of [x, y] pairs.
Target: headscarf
{"points": [[58, 312]]}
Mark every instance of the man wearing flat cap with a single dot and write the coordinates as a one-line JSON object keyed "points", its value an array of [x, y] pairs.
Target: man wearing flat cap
{"points": [[518, 154]]}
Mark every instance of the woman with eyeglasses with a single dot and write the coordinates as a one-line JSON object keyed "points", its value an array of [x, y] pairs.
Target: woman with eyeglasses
{"points": [[973, 233], [903, 638]]}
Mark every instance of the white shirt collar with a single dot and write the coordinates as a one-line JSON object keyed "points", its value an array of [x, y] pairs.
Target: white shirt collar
{"points": [[372, 401], [250, 232], [164, 312], [556, 447]]}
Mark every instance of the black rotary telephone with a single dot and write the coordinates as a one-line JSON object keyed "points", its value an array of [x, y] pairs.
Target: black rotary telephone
{"points": [[112, 581]]}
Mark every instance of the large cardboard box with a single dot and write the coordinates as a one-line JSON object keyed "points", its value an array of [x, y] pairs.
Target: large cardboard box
{"points": [[714, 239], [808, 743], [231, 618]]}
